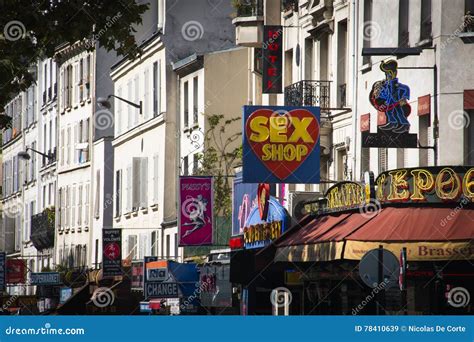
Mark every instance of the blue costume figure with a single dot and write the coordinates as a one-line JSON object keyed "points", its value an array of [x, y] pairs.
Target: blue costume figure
{"points": [[390, 96]]}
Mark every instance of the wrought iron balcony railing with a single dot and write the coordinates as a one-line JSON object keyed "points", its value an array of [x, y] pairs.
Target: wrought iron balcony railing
{"points": [[308, 93], [42, 229], [249, 8]]}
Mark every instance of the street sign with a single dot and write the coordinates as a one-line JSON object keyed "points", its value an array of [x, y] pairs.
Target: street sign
{"points": [[112, 252], [369, 269], [45, 278], [161, 290]]}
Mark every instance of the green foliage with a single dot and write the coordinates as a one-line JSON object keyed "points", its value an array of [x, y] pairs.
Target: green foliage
{"points": [[30, 30], [219, 159]]}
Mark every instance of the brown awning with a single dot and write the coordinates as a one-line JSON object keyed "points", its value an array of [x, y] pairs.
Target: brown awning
{"points": [[428, 233]]}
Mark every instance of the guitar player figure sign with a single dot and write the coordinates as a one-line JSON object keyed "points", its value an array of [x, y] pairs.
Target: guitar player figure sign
{"points": [[390, 97]]}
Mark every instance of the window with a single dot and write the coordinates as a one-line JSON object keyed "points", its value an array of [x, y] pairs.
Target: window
{"points": [[77, 78], [185, 166], [68, 147], [87, 76], [118, 193], [81, 80], [366, 35], [45, 144], [132, 247], [45, 83], [195, 99], [69, 86], [154, 243], [33, 162], [403, 20], [383, 159], [140, 183], [62, 147], [68, 206], [195, 164], [470, 138], [156, 184], [425, 27], [50, 83], [186, 105], [26, 223], [168, 245]]}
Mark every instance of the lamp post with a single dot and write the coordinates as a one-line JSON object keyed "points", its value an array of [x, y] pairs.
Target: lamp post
{"points": [[104, 102], [26, 156], [415, 51]]}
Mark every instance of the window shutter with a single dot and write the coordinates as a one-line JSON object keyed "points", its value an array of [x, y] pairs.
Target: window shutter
{"points": [[73, 207], [79, 211], [87, 206], [136, 183], [136, 87], [158, 76], [143, 183], [156, 164], [119, 112], [129, 108], [129, 189], [118, 193], [62, 85], [97, 195], [146, 92], [77, 83]]}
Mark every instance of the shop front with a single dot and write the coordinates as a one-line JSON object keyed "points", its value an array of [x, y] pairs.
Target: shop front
{"points": [[423, 216]]}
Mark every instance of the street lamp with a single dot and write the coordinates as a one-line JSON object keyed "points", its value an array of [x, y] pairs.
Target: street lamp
{"points": [[104, 102], [26, 156]]}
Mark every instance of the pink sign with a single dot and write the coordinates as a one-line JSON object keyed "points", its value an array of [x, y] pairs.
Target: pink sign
{"points": [[196, 212]]}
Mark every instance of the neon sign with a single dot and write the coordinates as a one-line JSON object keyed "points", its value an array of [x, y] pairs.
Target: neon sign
{"points": [[429, 185]]}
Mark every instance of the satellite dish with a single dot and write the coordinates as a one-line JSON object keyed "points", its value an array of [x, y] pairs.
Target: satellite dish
{"points": [[369, 268]]}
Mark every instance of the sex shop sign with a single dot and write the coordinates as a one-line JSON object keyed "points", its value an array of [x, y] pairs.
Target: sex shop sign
{"points": [[281, 144], [196, 218]]}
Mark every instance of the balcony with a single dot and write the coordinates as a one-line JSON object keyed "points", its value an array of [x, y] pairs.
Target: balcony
{"points": [[248, 22], [308, 93], [467, 34], [42, 229], [48, 161]]}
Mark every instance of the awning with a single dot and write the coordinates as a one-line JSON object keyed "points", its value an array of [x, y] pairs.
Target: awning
{"points": [[428, 233]]}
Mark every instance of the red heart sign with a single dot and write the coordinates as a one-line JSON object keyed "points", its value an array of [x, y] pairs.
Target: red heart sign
{"points": [[282, 140]]}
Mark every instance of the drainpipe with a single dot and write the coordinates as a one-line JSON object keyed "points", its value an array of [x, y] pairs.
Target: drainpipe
{"points": [[178, 165], [354, 87]]}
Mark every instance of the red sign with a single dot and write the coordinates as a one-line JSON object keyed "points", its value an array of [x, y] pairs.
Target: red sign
{"points": [[282, 142], [272, 59], [112, 250], [263, 197], [424, 105], [365, 122], [16, 271]]}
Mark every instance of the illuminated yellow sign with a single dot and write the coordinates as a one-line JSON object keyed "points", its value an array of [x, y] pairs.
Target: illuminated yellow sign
{"points": [[431, 184]]}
